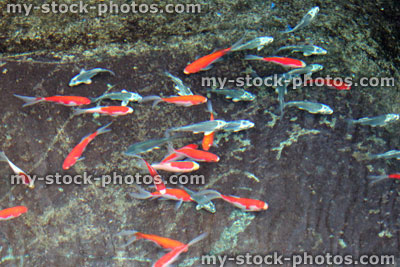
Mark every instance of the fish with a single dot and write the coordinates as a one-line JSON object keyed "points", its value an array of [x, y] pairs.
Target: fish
{"points": [[381, 120], [123, 96], [283, 61], [58, 99], [377, 178], [177, 166], [331, 83], [205, 62], [26, 179], [148, 145], [236, 126], [106, 110], [179, 86], [85, 76], [235, 94], [201, 199], [391, 154], [305, 21], [208, 139], [258, 43], [11, 213], [164, 242], [307, 50], [311, 107], [186, 101], [176, 194], [198, 155], [307, 70], [157, 179], [173, 255], [246, 204], [172, 156], [77, 151], [205, 127]]}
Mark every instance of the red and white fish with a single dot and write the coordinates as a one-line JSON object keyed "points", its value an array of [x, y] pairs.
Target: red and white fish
{"points": [[170, 193], [77, 151], [59, 99], [157, 179], [208, 138], [246, 204], [12, 213], [177, 166], [186, 100], [26, 179], [283, 61], [174, 156], [164, 242], [198, 155], [338, 84], [173, 255], [377, 178], [106, 110]]}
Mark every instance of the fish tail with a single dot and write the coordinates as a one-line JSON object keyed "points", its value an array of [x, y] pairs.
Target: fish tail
{"points": [[29, 100], [3, 156], [197, 239], [252, 57], [131, 240], [104, 129], [237, 46], [78, 111], [142, 194], [376, 178]]}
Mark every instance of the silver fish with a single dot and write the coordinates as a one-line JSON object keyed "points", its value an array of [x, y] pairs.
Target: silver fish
{"points": [[235, 94], [147, 145], [258, 43], [123, 96], [381, 120], [179, 86], [307, 50], [305, 20], [236, 126], [387, 155], [203, 202], [205, 127], [311, 107], [85, 76]]}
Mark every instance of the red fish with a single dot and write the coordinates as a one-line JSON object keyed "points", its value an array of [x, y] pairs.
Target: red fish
{"points": [[186, 100], [174, 157], [177, 166], [164, 242], [59, 99], [13, 212], [26, 179], [339, 84], [208, 138], [205, 62], [170, 193], [158, 182], [246, 204], [109, 110], [283, 61], [77, 151], [173, 255], [377, 178], [198, 155]]}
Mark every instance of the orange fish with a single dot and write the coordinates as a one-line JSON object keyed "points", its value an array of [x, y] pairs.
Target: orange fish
{"points": [[174, 157], [186, 100], [158, 182], [283, 61], [59, 99], [173, 255], [198, 155], [26, 179], [170, 193], [177, 166], [77, 151], [246, 204], [208, 138], [13, 212], [164, 242], [108, 110], [377, 178]]}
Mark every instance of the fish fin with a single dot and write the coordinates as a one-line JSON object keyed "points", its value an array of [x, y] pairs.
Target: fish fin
{"points": [[82, 71], [130, 241], [124, 103], [235, 99], [307, 54], [88, 81], [126, 232], [141, 194], [124, 91], [104, 129], [78, 111], [252, 57], [197, 239], [236, 46], [80, 159], [29, 100], [178, 205], [3, 157], [208, 67]]}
